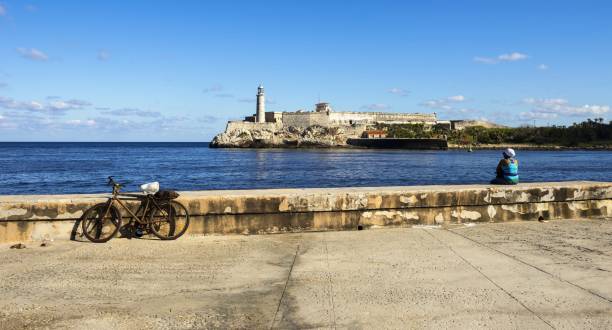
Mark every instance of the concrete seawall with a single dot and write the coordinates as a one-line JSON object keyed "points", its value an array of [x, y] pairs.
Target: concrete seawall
{"points": [[315, 209], [391, 143]]}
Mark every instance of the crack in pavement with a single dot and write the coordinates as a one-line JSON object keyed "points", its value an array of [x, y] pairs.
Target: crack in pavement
{"points": [[489, 279], [532, 266], [280, 301], [331, 284]]}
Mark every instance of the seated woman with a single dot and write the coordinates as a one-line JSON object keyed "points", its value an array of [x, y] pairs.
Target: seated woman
{"points": [[507, 169]]}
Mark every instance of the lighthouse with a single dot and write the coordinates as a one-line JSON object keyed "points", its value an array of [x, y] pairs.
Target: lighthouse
{"points": [[261, 105]]}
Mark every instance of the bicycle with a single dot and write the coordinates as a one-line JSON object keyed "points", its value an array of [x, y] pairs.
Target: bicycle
{"points": [[165, 218]]}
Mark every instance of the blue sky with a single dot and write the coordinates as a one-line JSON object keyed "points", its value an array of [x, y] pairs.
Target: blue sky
{"points": [[178, 70]]}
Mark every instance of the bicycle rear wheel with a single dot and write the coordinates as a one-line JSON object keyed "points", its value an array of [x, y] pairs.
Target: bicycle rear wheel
{"points": [[169, 221], [99, 228]]}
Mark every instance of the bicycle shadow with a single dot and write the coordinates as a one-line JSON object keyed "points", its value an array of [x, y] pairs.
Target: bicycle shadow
{"points": [[76, 234]]}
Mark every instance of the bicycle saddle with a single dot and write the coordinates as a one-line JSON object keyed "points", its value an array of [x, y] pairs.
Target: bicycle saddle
{"points": [[150, 188]]}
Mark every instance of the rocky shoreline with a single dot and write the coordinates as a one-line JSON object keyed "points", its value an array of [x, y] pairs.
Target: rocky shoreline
{"points": [[336, 137], [290, 137]]}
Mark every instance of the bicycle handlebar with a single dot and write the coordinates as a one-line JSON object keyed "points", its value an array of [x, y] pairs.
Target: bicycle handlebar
{"points": [[111, 182]]}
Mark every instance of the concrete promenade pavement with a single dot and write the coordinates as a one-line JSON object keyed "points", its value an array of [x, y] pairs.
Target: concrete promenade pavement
{"points": [[534, 275]]}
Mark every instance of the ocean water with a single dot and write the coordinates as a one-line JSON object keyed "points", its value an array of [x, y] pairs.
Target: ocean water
{"points": [[61, 168]]}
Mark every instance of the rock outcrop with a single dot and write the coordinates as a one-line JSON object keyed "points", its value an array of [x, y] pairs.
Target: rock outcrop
{"points": [[287, 137]]}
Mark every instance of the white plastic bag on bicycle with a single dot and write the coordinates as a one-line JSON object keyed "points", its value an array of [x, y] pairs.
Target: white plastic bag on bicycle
{"points": [[150, 188]]}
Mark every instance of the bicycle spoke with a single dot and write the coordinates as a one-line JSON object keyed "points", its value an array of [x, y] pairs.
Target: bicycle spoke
{"points": [[101, 223], [166, 222]]}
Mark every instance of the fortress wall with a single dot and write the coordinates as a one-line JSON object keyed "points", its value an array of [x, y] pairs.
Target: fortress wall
{"points": [[348, 117], [245, 125], [371, 117], [274, 117], [305, 119], [291, 210], [405, 117]]}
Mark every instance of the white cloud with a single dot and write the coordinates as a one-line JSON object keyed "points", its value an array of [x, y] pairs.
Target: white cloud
{"points": [[9, 103], [54, 106], [213, 88], [399, 91], [376, 107], [452, 106], [510, 57], [536, 115], [542, 67], [456, 98], [485, 60], [3, 85], [133, 112], [208, 119], [545, 103], [67, 105], [548, 108], [437, 104], [32, 54], [2, 10], [103, 55], [31, 8], [80, 122], [35, 116], [445, 104], [6, 124]]}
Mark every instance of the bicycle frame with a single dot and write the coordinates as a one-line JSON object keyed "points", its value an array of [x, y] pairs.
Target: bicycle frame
{"points": [[146, 200]]}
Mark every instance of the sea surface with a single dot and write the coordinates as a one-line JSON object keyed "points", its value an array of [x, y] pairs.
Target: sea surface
{"points": [[62, 168]]}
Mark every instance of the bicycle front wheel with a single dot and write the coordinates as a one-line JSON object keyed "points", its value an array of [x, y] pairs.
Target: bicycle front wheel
{"points": [[98, 225], [169, 221]]}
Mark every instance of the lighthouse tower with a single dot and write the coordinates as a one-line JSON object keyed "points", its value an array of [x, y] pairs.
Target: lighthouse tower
{"points": [[261, 105]]}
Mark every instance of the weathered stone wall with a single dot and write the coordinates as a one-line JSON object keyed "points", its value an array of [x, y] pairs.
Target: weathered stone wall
{"points": [[383, 117], [346, 118], [305, 119], [287, 210], [245, 125], [398, 118], [274, 117]]}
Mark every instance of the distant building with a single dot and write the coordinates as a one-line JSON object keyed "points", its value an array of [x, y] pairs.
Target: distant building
{"points": [[322, 107]]}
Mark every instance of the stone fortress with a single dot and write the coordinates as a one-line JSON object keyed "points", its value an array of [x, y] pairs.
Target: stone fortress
{"points": [[324, 116], [321, 127]]}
